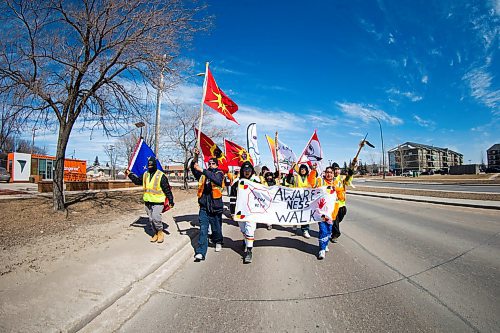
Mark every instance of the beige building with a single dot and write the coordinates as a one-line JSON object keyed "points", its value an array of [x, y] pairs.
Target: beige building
{"points": [[411, 156]]}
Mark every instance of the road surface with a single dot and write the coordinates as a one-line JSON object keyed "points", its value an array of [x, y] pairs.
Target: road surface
{"points": [[398, 267], [430, 186]]}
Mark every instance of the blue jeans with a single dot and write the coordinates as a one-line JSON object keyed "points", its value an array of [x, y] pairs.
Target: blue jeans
{"points": [[215, 221], [325, 231]]}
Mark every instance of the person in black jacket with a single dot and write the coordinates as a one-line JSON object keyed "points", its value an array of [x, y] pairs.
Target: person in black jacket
{"points": [[210, 182], [156, 189]]}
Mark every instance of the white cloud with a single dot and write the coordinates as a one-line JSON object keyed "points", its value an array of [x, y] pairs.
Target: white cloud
{"points": [[392, 40], [425, 79], [408, 94], [480, 85], [365, 113], [423, 122]]}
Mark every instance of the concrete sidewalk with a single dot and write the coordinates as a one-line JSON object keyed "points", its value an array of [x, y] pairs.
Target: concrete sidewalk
{"points": [[78, 290]]}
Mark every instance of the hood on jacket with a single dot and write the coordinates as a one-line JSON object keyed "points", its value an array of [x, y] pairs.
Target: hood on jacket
{"points": [[152, 164], [246, 166]]}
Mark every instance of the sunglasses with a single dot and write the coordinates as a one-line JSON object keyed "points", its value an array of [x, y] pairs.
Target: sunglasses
{"points": [[212, 163]]}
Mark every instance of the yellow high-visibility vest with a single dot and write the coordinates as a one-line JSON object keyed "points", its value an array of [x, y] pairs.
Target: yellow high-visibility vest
{"points": [[152, 187], [216, 190]]}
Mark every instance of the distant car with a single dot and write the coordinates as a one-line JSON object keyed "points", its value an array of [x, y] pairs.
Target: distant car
{"points": [[4, 175], [407, 174]]}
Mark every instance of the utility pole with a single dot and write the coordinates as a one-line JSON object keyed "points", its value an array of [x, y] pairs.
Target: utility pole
{"points": [[158, 105], [33, 141]]}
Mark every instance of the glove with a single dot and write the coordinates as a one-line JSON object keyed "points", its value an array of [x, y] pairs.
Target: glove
{"points": [[172, 205], [350, 172]]}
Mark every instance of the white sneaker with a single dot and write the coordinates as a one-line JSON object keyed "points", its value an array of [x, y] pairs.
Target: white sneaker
{"points": [[321, 255], [306, 234], [327, 249], [218, 247], [198, 256]]}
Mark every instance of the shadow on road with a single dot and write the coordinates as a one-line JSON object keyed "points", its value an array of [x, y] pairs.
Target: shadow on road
{"points": [[191, 232]]}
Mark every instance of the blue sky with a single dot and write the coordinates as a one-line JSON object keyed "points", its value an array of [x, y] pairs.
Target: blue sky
{"points": [[429, 70]]}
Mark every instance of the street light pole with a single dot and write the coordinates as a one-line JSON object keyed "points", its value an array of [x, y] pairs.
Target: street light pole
{"points": [[383, 153]]}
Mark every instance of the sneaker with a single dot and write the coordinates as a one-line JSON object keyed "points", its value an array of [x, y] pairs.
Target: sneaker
{"points": [[306, 234], [269, 226], [321, 255], [218, 247], [333, 239], [248, 257], [198, 257], [327, 249]]}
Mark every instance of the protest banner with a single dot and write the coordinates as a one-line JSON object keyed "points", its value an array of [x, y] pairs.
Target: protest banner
{"points": [[284, 205]]}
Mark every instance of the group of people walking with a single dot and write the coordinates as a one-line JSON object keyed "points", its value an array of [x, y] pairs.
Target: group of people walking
{"points": [[211, 182], [210, 190]]}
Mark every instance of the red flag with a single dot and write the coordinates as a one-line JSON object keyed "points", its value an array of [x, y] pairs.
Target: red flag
{"points": [[209, 149], [217, 100], [235, 154]]}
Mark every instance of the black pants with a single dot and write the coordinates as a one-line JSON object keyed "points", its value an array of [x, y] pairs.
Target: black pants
{"points": [[336, 222]]}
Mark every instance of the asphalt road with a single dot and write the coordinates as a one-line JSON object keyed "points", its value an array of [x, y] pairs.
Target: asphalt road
{"points": [[429, 186], [398, 267]]}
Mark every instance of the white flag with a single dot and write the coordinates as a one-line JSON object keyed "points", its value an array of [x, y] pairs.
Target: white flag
{"points": [[286, 157], [253, 148], [312, 154]]}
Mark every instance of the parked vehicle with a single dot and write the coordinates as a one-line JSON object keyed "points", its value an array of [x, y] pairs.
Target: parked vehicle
{"points": [[4, 175], [407, 174]]}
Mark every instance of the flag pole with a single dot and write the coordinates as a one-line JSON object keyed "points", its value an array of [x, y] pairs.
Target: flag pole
{"points": [[201, 107], [277, 156]]}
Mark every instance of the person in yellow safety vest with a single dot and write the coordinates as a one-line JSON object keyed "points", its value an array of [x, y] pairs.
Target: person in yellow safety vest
{"points": [[304, 179], [156, 189], [341, 182], [210, 182]]}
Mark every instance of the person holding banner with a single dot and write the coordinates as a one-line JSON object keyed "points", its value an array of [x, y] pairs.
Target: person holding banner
{"points": [[156, 190], [303, 180], [325, 227], [341, 182], [210, 182], [247, 228], [268, 180]]}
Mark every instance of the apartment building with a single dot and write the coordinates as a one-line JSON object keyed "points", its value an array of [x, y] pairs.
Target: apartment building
{"points": [[494, 156], [411, 156]]}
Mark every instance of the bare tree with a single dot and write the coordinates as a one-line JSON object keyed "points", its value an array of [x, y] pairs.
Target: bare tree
{"points": [[86, 60], [10, 125], [179, 134]]}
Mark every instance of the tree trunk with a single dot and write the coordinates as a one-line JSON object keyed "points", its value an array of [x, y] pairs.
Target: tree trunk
{"points": [[58, 183], [186, 185]]}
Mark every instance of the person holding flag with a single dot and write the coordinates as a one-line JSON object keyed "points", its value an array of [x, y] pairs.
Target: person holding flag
{"points": [[156, 190], [340, 182], [210, 186]]}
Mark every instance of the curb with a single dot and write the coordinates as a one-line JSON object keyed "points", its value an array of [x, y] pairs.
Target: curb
{"points": [[428, 200]]}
